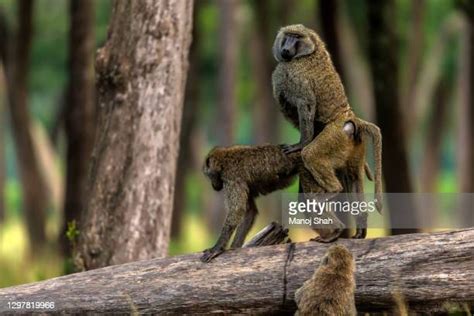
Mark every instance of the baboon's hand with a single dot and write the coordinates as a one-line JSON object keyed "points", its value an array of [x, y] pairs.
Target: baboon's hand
{"points": [[211, 253], [288, 149]]}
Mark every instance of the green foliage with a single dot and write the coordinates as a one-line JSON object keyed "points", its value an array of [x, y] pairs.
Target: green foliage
{"points": [[72, 232]]}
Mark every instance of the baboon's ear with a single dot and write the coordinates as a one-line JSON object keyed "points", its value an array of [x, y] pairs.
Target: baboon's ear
{"points": [[350, 129]]}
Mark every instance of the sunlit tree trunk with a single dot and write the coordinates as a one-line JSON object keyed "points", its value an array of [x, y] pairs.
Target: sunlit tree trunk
{"points": [[431, 163], [141, 76], [432, 149], [3, 104], [80, 113], [35, 195], [467, 118], [186, 158], [2, 141], [383, 54]]}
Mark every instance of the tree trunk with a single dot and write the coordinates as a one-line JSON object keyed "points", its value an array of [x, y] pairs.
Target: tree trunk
{"points": [[432, 152], [266, 115], [415, 52], [463, 128], [328, 14], [3, 103], [431, 162], [263, 280], [383, 54], [141, 76], [80, 114], [226, 103], [228, 48], [35, 197], [188, 122], [469, 215], [3, 89], [357, 79]]}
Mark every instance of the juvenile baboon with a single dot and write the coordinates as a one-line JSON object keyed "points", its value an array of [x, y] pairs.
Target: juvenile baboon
{"points": [[312, 98], [244, 173], [330, 291]]}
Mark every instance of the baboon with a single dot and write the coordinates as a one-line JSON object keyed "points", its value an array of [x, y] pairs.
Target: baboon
{"points": [[340, 164], [244, 173], [311, 96], [330, 291]]}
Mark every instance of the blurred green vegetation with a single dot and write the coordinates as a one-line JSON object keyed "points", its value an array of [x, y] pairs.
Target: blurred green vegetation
{"points": [[47, 82]]}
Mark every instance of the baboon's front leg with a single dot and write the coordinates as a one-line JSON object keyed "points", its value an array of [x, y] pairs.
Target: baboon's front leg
{"points": [[236, 196], [246, 225]]}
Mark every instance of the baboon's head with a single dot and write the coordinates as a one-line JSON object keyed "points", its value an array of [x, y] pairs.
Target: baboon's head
{"points": [[294, 41], [339, 258], [212, 169]]}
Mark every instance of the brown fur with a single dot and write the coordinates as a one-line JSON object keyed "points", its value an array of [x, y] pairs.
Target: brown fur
{"points": [[312, 98], [330, 291], [244, 173]]}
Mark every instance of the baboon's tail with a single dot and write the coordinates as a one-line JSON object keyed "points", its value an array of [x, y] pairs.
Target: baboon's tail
{"points": [[368, 172], [373, 131]]}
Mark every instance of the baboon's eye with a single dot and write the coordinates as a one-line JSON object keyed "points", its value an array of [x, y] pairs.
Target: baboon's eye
{"points": [[294, 35], [207, 162]]}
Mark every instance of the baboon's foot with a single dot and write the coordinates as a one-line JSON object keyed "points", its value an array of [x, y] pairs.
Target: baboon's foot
{"points": [[327, 237], [361, 233], [211, 253], [288, 149]]}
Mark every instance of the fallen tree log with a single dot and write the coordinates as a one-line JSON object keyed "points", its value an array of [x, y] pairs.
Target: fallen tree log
{"points": [[427, 270]]}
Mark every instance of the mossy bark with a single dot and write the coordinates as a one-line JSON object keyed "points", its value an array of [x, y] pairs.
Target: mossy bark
{"points": [[141, 75]]}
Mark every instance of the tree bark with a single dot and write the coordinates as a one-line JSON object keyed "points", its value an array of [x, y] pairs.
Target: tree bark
{"points": [[35, 197], [80, 115], [262, 280], [383, 54], [141, 75], [186, 158]]}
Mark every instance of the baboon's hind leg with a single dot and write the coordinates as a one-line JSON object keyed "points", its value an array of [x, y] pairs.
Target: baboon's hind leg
{"points": [[327, 233], [361, 219]]}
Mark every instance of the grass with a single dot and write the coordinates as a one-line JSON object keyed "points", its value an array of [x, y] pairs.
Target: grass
{"points": [[16, 264]]}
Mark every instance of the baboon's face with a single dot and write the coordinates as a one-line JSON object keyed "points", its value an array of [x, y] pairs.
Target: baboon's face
{"points": [[292, 42], [212, 171]]}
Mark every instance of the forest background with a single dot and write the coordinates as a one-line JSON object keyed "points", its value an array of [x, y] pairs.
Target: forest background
{"points": [[421, 98]]}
